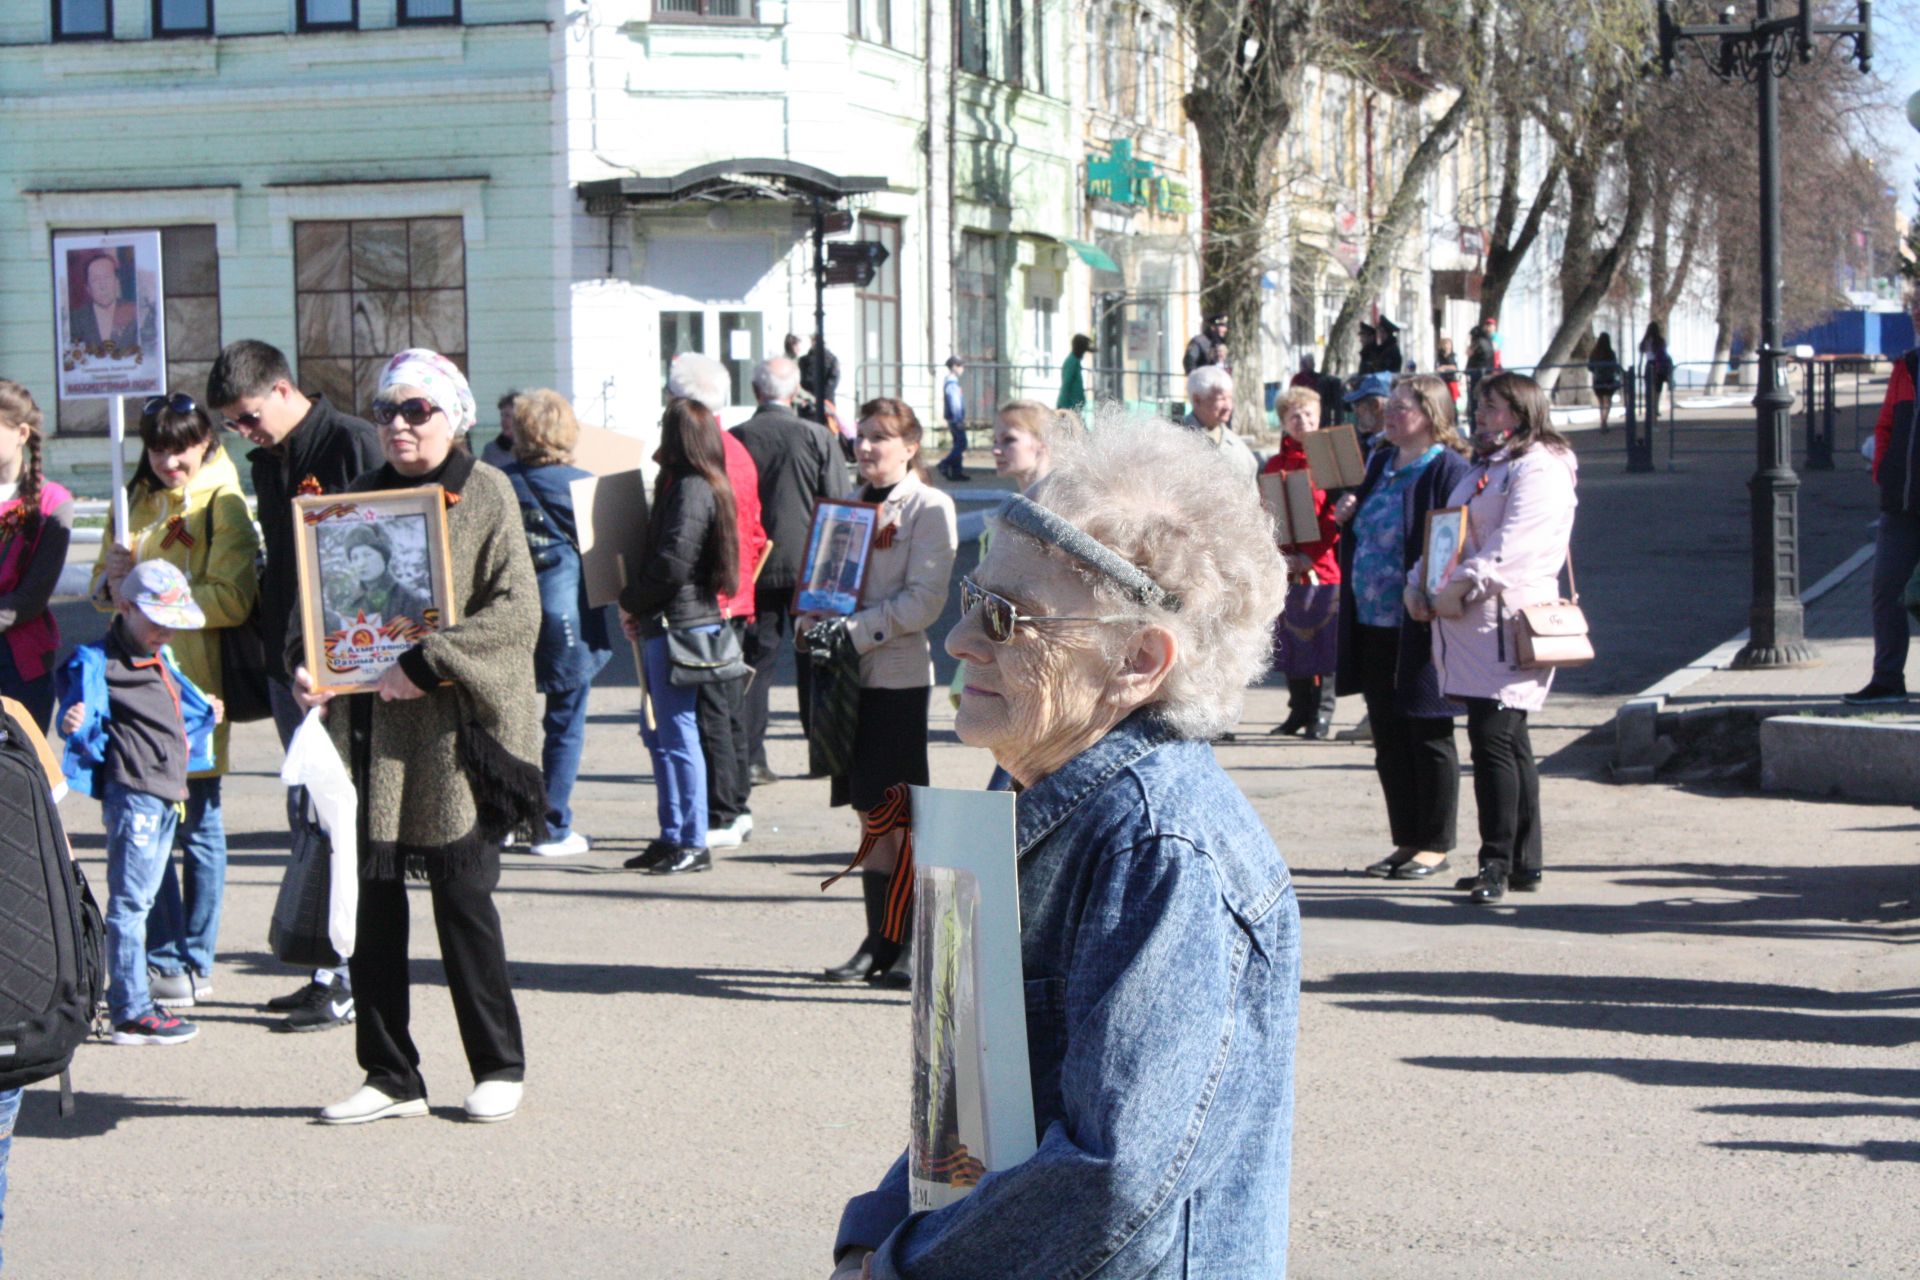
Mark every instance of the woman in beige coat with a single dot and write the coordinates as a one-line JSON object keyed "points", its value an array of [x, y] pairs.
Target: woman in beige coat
{"points": [[908, 573]]}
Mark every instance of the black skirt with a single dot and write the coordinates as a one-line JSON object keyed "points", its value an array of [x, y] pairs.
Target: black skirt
{"points": [[889, 747]]}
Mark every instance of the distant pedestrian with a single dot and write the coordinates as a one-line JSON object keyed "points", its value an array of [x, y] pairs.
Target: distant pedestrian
{"points": [[574, 643], [953, 408], [1603, 368], [1205, 347], [720, 706], [135, 728], [1519, 496], [1073, 386], [1896, 544], [1656, 364], [1210, 413], [798, 464], [304, 446], [820, 377], [1447, 367], [1389, 359], [1306, 643], [1483, 357], [499, 450], [36, 526]]}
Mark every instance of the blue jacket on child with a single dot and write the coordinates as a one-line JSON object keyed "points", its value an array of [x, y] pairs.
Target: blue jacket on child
{"points": [[83, 679]]}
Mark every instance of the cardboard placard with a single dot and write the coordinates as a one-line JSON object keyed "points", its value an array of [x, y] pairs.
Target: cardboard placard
{"points": [[610, 509], [1288, 498], [1334, 458]]}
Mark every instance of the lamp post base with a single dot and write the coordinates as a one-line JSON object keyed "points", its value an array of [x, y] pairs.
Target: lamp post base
{"points": [[1756, 657]]}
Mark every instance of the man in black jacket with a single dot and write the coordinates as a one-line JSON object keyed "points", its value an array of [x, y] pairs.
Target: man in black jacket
{"points": [[304, 446], [799, 464]]}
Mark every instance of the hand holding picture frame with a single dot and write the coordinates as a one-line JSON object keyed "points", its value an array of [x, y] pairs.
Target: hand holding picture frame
{"points": [[1446, 545], [375, 577], [835, 562]]}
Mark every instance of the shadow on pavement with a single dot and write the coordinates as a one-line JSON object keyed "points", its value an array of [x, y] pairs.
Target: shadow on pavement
{"points": [[98, 1113], [1908, 1152], [1870, 1082]]}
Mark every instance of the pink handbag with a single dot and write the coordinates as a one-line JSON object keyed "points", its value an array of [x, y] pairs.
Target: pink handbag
{"points": [[1554, 632]]}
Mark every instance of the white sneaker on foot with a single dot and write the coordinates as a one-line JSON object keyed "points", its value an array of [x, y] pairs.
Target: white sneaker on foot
{"points": [[368, 1103], [494, 1100], [727, 837], [574, 843]]}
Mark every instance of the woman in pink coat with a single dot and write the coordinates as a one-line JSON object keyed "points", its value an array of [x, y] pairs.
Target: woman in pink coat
{"points": [[1519, 497]]}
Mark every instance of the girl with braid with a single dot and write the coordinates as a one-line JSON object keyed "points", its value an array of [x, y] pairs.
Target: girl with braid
{"points": [[36, 523]]}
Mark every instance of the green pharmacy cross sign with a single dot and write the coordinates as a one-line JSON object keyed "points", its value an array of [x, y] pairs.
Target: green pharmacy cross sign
{"points": [[1120, 179]]}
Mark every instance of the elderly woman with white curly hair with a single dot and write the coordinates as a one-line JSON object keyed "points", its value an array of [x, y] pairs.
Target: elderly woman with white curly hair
{"points": [[1109, 635]]}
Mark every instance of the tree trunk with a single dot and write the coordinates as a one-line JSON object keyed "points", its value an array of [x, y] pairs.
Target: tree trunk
{"points": [[1507, 247], [1583, 297]]}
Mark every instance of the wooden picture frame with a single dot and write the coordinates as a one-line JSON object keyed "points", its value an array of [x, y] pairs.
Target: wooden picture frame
{"points": [[1288, 498], [1445, 546], [834, 567], [357, 617], [1334, 457]]}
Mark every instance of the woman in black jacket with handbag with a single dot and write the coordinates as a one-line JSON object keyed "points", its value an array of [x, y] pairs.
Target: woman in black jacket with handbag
{"points": [[1384, 653], [690, 562]]}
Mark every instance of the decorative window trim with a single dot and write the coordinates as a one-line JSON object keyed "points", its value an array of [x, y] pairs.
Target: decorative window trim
{"points": [[300, 22], [65, 37], [163, 32], [137, 207], [288, 203]]}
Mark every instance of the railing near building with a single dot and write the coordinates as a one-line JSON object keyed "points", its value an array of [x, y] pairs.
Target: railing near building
{"points": [[989, 385]]}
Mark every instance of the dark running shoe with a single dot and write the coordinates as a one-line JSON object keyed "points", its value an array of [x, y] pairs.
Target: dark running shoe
{"points": [[1877, 695], [155, 1026], [294, 999], [326, 1007]]}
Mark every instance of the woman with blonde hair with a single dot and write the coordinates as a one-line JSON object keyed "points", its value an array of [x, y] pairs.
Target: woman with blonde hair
{"points": [[574, 643], [1384, 650], [36, 524]]}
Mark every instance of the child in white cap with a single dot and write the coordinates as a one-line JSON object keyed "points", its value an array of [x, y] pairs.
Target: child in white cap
{"points": [[135, 727]]}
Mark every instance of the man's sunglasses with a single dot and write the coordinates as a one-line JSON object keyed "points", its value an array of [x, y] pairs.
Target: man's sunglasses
{"points": [[414, 411], [180, 402], [245, 422], [1000, 618]]}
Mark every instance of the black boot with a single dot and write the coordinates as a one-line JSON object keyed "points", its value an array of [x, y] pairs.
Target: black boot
{"points": [[1300, 705], [899, 974], [875, 952], [1324, 699]]}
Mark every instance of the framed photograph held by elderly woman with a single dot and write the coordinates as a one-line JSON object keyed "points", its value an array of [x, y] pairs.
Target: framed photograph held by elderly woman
{"points": [[373, 579], [836, 557], [1446, 541]]}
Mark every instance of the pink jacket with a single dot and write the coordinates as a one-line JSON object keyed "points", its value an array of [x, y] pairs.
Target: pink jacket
{"points": [[1519, 521]]}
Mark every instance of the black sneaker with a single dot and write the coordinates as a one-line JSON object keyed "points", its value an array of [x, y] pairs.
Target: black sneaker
{"points": [[1490, 886], [1877, 695], [327, 1007], [656, 852], [295, 999]]}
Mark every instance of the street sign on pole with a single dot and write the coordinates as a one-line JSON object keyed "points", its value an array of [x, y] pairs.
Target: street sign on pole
{"points": [[854, 263]]}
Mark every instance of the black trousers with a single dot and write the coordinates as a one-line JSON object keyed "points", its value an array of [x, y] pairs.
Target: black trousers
{"points": [[475, 954], [1506, 786], [719, 710], [772, 624], [1419, 766]]}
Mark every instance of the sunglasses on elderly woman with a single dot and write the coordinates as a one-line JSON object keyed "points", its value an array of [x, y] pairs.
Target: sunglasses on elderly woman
{"points": [[180, 402], [1000, 618], [414, 411]]}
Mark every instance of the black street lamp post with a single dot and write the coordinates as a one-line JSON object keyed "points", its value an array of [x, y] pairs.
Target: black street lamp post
{"points": [[1760, 52]]}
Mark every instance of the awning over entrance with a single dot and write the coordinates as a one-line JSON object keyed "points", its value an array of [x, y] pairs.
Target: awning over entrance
{"points": [[753, 179], [1092, 254]]}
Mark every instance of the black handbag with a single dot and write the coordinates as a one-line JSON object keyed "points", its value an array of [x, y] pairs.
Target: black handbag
{"points": [[243, 657], [297, 934], [704, 657]]}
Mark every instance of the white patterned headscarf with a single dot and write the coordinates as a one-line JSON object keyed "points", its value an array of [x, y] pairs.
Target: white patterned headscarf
{"points": [[439, 381]]}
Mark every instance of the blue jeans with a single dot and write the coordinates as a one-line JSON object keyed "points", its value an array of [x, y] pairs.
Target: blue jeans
{"points": [[180, 935], [958, 454], [35, 695], [566, 733], [139, 843], [9, 1111], [679, 770]]}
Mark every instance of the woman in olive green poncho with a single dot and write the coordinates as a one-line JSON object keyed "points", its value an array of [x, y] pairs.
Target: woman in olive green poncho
{"points": [[443, 778]]}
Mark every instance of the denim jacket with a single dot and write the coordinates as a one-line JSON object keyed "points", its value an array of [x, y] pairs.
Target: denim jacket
{"points": [[1161, 944], [574, 643]]}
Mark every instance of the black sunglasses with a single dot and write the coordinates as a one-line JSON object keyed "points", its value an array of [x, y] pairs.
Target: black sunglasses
{"points": [[245, 422], [180, 402], [1000, 618], [414, 411]]}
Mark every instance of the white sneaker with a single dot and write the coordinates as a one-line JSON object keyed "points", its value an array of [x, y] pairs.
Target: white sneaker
{"points": [[744, 825], [727, 837], [368, 1103], [574, 843], [494, 1100]]}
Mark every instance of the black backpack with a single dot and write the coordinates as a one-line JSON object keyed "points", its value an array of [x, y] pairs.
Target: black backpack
{"points": [[52, 937]]}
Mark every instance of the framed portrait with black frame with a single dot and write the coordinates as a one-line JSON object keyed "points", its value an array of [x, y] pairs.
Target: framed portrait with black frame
{"points": [[835, 563], [1445, 547], [374, 579]]}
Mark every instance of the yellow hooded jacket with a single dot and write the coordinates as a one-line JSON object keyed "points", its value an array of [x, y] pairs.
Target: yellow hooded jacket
{"points": [[205, 528]]}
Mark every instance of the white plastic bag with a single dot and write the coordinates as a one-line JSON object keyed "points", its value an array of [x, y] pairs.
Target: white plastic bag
{"points": [[314, 764]]}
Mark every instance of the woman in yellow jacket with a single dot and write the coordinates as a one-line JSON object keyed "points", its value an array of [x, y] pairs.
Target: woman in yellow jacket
{"points": [[184, 504]]}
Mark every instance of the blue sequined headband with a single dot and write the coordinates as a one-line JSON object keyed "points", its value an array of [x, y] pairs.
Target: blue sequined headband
{"points": [[1034, 520]]}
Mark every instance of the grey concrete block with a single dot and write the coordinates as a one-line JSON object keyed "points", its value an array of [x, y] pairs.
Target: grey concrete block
{"points": [[1854, 757], [1636, 739]]}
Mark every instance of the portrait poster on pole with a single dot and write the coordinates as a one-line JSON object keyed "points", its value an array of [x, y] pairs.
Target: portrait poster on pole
{"points": [[972, 1087], [110, 327]]}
